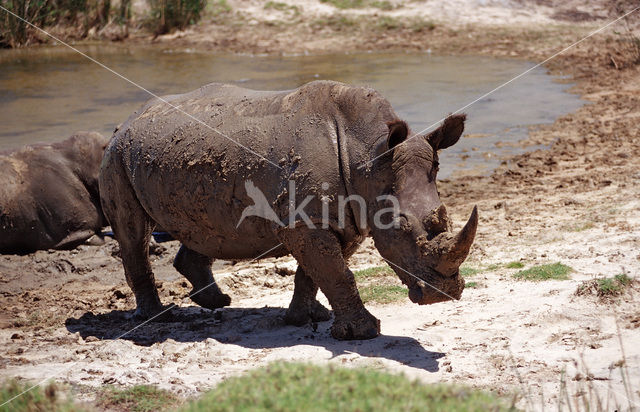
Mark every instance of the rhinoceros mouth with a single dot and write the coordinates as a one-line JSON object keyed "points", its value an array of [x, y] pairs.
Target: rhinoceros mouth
{"points": [[444, 289], [430, 286]]}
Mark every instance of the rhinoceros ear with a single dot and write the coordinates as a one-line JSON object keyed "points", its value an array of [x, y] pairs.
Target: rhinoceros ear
{"points": [[449, 133], [398, 131]]}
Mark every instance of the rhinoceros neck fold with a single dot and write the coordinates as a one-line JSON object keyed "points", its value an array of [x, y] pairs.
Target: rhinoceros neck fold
{"points": [[345, 176]]}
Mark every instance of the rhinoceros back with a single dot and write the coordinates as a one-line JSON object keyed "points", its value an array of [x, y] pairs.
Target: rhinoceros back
{"points": [[189, 157]]}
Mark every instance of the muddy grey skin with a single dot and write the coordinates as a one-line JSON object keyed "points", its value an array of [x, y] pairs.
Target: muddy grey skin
{"points": [[49, 194], [163, 168]]}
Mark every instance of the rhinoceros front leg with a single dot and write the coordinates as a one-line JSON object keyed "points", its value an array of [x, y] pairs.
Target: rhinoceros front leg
{"points": [[304, 307], [319, 253], [197, 269]]}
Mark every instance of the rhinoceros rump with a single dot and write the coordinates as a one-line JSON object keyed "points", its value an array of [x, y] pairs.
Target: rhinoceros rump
{"points": [[164, 168], [49, 194]]}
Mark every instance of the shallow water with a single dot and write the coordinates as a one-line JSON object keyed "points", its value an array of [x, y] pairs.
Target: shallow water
{"points": [[47, 94]]}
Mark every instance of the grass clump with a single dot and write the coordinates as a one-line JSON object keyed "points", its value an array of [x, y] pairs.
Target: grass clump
{"points": [[605, 287], [378, 285], [466, 271], [140, 398], [471, 285], [303, 387], [555, 271], [280, 6], [373, 272], [614, 285], [382, 5], [382, 294], [37, 399], [345, 4], [357, 4], [388, 23], [514, 265], [336, 22], [419, 25]]}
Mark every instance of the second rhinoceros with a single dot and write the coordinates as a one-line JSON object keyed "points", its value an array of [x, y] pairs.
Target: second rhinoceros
{"points": [[193, 164], [49, 194]]}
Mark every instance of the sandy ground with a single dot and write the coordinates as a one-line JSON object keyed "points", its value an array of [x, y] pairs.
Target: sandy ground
{"points": [[65, 314]]}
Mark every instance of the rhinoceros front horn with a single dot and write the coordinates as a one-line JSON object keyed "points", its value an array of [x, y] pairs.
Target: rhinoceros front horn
{"points": [[454, 249]]}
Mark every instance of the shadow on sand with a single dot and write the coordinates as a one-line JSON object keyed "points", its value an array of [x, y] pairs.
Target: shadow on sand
{"points": [[254, 328]]}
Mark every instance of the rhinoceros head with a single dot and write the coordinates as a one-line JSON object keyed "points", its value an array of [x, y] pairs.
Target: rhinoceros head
{"points": [[83, 152], [420, 246]]}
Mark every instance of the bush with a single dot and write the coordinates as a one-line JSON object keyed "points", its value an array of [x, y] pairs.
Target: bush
{"points": [[80, 13], [169, 14], [83, 15]]}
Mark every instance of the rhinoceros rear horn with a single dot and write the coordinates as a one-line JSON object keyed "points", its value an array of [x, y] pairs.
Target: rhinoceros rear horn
{"points": [[457, 249]]}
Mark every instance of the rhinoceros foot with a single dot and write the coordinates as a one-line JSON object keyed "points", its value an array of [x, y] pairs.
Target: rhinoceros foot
{"points": [[152, 312], [210, 300], [301, 315], [362, 325]]}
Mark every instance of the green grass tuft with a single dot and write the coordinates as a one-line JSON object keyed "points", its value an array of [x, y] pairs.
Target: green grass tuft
{"points": [[382, 294], [514, 265], [471, 285], [358, 4], [382, 5], [468, 271], [336, 22], [373, 272], [388, 23], [345, 4], [280, 6], [37, 399], [605, 287], [419, 25], [140, 398], [302, 387], [608, 286], [555, 271]]}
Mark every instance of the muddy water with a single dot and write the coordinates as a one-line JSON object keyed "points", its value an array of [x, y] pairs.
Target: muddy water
{"points": [[47, 94]]}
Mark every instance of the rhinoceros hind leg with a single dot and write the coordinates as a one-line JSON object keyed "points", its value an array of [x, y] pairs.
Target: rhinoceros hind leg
{"points": [[320, 254], [197, 269], [132, 228], [304, 307]]}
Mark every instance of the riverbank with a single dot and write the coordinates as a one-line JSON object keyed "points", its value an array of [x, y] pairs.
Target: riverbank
{"points": [[524, 28], [576, 203]]}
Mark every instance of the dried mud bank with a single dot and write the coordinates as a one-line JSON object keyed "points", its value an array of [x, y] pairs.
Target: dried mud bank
{"points": [[66, 314]]}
